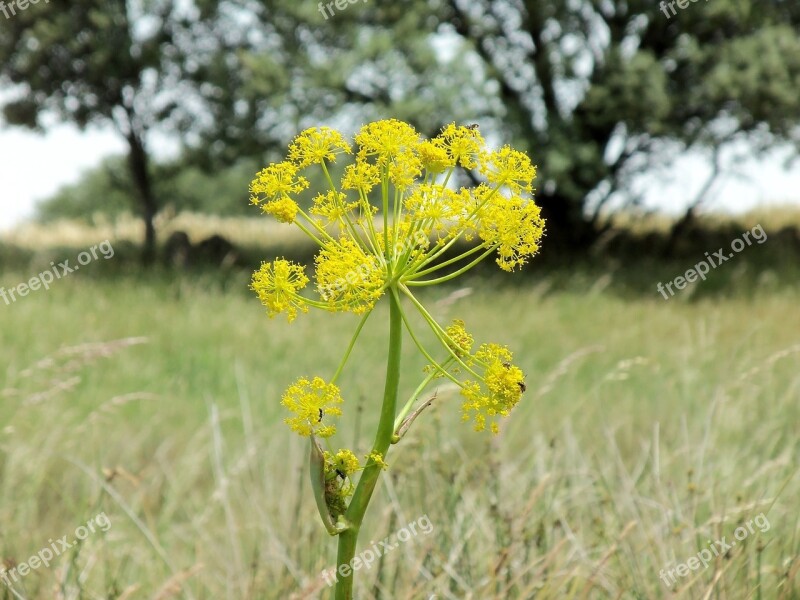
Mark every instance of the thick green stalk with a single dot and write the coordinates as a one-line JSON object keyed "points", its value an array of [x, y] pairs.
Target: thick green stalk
{"points": [[383, 439]]}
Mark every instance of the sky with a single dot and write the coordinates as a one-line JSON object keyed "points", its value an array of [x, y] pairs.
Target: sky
{"points": [[34, 166]]}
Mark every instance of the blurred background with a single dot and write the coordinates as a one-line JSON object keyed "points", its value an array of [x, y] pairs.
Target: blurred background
{"points": [[147, 384]]}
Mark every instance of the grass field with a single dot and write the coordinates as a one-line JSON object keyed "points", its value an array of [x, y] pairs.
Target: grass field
{"points": [[650, 430]]}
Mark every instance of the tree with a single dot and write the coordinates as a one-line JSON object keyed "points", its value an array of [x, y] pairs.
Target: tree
{"points": [[180, 186], [127, 63], [601, 90], [258, 72]]}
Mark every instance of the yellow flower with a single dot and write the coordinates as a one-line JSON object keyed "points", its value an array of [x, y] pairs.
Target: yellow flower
{"points": [[434, 157], [338, 486], [312, 402], [435, 206], [515, 226], [277, 285], [344, 462], [332, 205], [276, 181], [386, 140], [404, 169], [504, 385], [361, 176], [283, 209], [461, 339], [462, 144], [348, 278], [510, 168], [316, 145], [377, 458]]}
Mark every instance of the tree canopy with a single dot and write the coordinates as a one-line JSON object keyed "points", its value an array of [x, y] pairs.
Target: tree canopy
{"points": [[598, 91]]}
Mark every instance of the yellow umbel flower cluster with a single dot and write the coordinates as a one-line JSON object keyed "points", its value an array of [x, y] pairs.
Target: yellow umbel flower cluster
{"points": [[313, 402], [503, 385], [360, 258], [390, 224], [277, 285], [339, 468]]}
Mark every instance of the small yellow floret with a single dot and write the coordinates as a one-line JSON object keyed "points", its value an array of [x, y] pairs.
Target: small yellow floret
{"points": [[461, 339], [377, 458], [346, 462]]}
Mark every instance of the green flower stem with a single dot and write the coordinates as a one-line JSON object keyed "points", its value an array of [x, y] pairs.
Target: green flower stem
{"points": [[446, 340], [328, 176], [427, 354], [383, 439], [305, 230], [408, 406], [432, 255], [440, 265], [385, 200], [314, 224], [461, 271], [350, 347], [345, 219]]}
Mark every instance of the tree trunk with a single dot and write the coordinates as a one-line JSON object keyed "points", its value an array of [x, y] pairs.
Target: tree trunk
{"points": [[568, 231], [140, 175]]}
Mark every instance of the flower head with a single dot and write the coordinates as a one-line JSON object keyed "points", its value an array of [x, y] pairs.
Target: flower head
{"points": [[284, 209], [344, 462], [333, 206], [434, 157], [428, 232], [278, 180], [316, 145], [313, 403], [349, 278], [362, 176], [386, 140], [338, 486], [461, 340], [510, 168], [462, 144], [514, 225], [503, 386], [277, 285]]}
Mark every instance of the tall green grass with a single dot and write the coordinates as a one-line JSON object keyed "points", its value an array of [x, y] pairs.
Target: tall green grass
{"points": [[649, 428]]}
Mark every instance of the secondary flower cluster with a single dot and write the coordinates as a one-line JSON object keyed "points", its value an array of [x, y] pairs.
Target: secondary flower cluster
{"points": [[392, 223]]}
